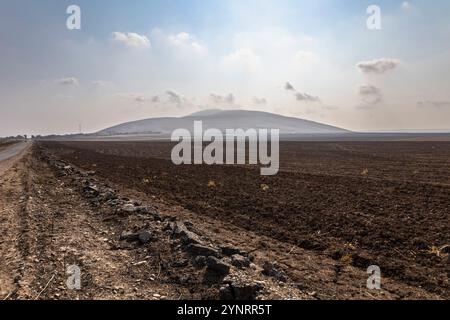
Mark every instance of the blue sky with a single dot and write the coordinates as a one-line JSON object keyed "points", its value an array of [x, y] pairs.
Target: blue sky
{"points": [[138, 59]]}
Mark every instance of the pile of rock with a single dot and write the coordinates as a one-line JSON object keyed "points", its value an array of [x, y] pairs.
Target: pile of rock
{"points": [[272, 269], [181, 231], [240, 261], [131, 207], [99, 193], [143, 237], [239, 287], [216, 267], [217, 261], [203, 254]]}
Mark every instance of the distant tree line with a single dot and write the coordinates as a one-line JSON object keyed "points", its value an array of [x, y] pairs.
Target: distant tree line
{"points": [[14, 138]]}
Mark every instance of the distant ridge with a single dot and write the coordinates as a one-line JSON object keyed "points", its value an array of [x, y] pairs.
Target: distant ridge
{"points": [[222, 120]]}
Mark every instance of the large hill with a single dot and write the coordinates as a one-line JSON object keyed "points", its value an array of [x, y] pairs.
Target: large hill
{"points": [[222, 120]]}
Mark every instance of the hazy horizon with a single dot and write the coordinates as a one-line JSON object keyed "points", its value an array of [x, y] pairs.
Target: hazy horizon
{"points": [[145, 59]]}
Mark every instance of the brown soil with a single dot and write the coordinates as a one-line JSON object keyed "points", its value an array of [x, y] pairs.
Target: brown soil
{"points": [[333, 210], [48, 224]]}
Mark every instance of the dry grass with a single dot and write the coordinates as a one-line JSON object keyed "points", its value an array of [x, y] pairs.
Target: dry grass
{"points": [[211, 184], [441, 252]]}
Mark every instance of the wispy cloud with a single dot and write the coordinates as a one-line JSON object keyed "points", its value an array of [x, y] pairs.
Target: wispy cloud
{"points": [[303, 97], [434, 104], [155, 99], [222, 99], [378, 66], [306, 97], [184, 40], [173, 97], [289, 87], [370, 95], [70, 81], [131, 39], [259, 101]]}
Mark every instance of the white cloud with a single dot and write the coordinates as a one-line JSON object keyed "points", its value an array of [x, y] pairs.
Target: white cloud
{"points": [[378, 66], [303, 97], [173, 97], [132, 39], [259, 101], [369, 90], [306, 97], [219, 99], [184, 40], [288, 86], [71, 81], [155, 99], [370, 95]]}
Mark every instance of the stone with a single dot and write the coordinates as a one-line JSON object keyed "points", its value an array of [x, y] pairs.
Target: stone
{"points": [[108, 194], [220, 267], [128, 236], [188, 224], [199, 261], [239, 261], [91, 190], [186, 236], [230, 250], [144, 237], [142, 209], [226, 293], [201, 250], [128, 208], [156, 216], [272, 270], [170, 219], [445, 249], [114, 202], [180, 263], [168, 227], [239, 290]]}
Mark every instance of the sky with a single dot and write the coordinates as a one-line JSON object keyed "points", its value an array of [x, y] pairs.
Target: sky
{"points": [[136, 59]]}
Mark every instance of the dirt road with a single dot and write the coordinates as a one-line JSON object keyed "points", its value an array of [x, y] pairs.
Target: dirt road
{"points": [[12, 153], [13, 150]]}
